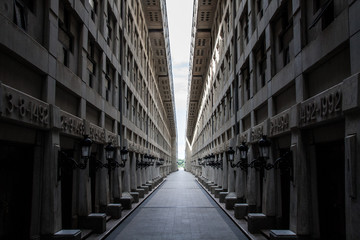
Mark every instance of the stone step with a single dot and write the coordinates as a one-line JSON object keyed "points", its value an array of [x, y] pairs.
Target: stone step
{"points": [[265, 233]]}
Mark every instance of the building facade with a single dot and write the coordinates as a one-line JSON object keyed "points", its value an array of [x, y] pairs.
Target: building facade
{"points": [[69, 69], [286, 73]]}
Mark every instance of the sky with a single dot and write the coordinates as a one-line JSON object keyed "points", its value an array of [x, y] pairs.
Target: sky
{"points": [[179, 14]]}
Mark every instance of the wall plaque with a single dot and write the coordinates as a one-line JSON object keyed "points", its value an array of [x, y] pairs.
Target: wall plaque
{"points": [[22, 107], [322, 107], [71, 124], [97, 133], [280, 123]]}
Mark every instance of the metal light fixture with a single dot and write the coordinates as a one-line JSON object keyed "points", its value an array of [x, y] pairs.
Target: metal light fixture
{"points": [[230, 153], [242, 163], [264, 147], [264, 152], [65, 160], [109, 151], [109, 154], [86, 148]]}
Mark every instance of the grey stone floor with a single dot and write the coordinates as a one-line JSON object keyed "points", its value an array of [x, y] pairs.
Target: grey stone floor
{"points": [[179, 209]]}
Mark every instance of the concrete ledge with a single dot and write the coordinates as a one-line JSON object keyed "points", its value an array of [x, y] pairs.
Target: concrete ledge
{"points": [[222, 196], [230, 200], [114, 210], [282, 234], [94, 221], [135, 195], [258, 221], [241, 210], [73, 234]]}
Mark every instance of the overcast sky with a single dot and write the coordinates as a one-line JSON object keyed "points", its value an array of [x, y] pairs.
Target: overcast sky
{"points": [[179, 14]]}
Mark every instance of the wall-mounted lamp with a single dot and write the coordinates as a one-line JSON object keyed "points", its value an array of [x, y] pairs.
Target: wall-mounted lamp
{"points": [[85, 146], [109, 154], [243, 157], [264, 150]]}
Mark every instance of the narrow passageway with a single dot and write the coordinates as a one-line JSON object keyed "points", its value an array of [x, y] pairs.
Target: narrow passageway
{"points": [[179, 209]]}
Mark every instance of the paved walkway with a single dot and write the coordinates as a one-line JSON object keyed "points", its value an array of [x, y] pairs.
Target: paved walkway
{"points": [[179, 209]]}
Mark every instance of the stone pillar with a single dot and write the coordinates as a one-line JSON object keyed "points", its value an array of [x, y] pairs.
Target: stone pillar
{"points": [[102, 182], [251, 180], [116, 179], [269, 193], [351, 106], [138, 173], [225, 171], [133, 178], [300, 210], [51, 188], [126, 177]]}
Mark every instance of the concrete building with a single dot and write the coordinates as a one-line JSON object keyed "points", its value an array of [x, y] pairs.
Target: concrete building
{"points": [[75, 68], [286, 73]]}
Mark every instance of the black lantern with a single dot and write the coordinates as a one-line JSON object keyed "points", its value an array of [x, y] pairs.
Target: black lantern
{"points": [[109, 151], [86, 147], [123, 153], [264, 147], [243, 151], [230, 153]]}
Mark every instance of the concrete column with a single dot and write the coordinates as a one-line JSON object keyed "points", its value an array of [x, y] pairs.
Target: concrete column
{"points": [[116, 179], [138, 173], [300, 210], [126, 178], [84, 188], [251, 180], [225, 172], [269, 193], [102, 182], [133, 178], [51, 188]]}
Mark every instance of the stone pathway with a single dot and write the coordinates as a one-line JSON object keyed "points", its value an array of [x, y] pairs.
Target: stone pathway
{"points": [[179, 209]]}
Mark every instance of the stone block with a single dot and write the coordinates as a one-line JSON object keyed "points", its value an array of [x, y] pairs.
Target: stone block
{"points": [[230, 201], [140, 191], [282, 235], [146, 189], [94, 221], [135, 195], [209, 186], [217, 192], [258, 221], [222, 196], [114, 210], [71, 234], [149, 185], [241, 210], [213, 189], [126, 201]]}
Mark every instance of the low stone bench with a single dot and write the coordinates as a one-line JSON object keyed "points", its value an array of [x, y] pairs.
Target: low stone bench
{"points": [[94, 221], [149, 185], [222, 196], [114, 210], [213, 189], [126, 201], [241, 210], [146, 189], [71, 234], [217, 192], [135, 195], [141, 192], [282, 235], [230, 201], [258, 221]]}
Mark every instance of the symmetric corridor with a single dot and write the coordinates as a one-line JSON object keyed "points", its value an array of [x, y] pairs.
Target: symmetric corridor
{"points": [[179, 209]]}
